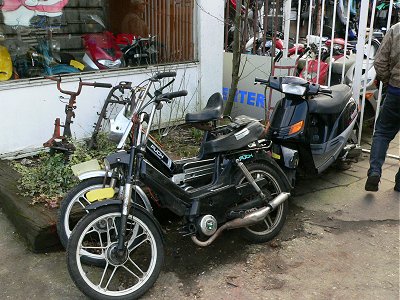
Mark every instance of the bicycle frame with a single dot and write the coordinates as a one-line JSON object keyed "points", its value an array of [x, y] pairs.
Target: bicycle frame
{"points": [[58, 141]]}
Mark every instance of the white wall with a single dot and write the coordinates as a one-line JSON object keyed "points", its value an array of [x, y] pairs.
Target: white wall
{"points": [[210, 17], [29, 108], [28, 111]]}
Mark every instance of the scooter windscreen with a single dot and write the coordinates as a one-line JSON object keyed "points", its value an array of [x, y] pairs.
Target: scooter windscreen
{"points": [[289, 85]]}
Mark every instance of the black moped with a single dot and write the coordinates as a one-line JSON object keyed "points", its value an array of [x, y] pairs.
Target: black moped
{"points": [[312, 126], [246, 190]]}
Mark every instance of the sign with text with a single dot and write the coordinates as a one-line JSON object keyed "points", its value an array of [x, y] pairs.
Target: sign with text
{"points": [[250, 99]]}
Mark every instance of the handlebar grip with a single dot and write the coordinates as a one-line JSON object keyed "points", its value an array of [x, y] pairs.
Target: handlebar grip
{"points": [[261, 81], [175, 94], [163, 75], [102, 85]]}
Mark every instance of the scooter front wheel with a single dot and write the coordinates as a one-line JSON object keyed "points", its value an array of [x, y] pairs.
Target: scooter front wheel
{"points": [[123, 276], [274, 221]]}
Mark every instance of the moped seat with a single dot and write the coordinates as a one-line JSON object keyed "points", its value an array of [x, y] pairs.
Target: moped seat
{"points": [[212, 112], [236, 139], [324, 104]]}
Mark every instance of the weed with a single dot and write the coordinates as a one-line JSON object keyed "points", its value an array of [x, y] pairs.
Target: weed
{"points": [[49, 177]]}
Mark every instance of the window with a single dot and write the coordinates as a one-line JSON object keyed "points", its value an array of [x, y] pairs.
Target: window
{"points": [[52, 37]]}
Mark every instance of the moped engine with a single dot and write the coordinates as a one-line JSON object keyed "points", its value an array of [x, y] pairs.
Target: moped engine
{"points": [[207, 225]]}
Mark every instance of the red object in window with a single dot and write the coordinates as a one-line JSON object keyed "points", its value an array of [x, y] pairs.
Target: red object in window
{"points": [[125, 38], [233, 2], [336, 41], [279, 44], [312, 72], [102, 46]]}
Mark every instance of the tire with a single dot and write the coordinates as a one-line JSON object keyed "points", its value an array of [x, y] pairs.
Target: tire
{"points": [[113, 281], [71, 212], [273, 223]]}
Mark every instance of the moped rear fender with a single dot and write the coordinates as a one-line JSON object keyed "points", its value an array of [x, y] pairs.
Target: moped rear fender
{"points": [[263, 158], [118, 203]]}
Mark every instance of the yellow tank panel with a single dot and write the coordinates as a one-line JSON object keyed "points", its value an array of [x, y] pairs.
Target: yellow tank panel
{"points": [[6, 68]]}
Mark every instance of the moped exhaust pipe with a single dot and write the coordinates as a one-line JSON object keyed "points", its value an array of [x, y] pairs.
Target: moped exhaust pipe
{"points": [[248, 220]]}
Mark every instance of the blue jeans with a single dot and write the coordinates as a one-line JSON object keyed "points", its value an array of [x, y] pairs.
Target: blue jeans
{"points": [[387, 126]]}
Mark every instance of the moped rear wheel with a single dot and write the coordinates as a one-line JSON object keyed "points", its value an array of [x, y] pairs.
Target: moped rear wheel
{"points": [[126, 276], [274, 221]]}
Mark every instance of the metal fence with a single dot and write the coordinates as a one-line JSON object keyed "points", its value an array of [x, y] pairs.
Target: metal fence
{"points": [[340, 37]]}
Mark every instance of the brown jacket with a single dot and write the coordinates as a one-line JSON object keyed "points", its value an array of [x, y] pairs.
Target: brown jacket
{"points": [[387, 60]]}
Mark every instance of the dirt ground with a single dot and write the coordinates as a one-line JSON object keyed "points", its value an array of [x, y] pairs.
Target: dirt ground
{"points": [[339, 242]]}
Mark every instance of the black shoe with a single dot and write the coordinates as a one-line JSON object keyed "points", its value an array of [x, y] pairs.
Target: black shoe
{"points": [[372, 184], [397, 187]]}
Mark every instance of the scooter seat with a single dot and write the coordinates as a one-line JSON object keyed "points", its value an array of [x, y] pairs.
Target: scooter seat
{"points": [[324, 104], [212, 112], [236, 139]]}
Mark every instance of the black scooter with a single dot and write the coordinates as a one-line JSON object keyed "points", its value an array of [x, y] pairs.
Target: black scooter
{"points": [[246, 190], [312, 126]]}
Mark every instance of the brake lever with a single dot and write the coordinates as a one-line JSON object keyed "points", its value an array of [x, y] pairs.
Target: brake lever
{"points": [[158, 92]]}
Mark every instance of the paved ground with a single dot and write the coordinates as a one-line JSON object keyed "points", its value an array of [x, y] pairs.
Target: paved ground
{"points": [[339, 242]]}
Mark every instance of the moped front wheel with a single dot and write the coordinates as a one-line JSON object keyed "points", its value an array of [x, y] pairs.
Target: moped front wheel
{"points": [[126, 275], [72, 209]]}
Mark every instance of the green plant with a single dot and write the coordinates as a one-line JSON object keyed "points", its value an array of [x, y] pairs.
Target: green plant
{"points": [[48, 177], [197, 134]]}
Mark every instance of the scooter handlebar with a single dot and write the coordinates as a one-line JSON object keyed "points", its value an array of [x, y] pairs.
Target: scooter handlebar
{"points": [[261, 81]]}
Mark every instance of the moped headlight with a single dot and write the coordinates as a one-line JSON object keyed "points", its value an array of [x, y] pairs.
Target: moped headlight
{"points": [[107, 165], [293, 89]]}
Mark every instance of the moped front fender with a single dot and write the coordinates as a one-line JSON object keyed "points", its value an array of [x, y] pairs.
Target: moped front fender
{"points": [[93, 174], [136, 188]]}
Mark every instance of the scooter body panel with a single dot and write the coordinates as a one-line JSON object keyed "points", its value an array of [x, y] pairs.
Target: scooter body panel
{"points": [[320, 141], [288, 111], [329, 135]]}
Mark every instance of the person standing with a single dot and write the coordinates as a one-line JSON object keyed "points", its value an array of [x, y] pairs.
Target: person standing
{"points": [[387, 66]]}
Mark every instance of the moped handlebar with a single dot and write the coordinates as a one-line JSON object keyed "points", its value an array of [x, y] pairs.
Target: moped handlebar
{"points": [[102, 85], [170, 96], [158, 92], [162, 75]]}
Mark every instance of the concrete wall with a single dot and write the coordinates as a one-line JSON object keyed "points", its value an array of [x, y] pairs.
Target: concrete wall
{"points": [[210, 19]]}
